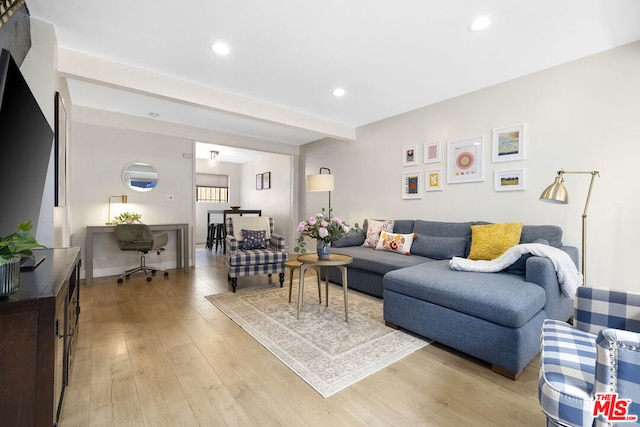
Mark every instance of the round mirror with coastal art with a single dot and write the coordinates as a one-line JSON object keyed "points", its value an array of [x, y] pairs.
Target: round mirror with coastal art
{"points": [[140, 176]]}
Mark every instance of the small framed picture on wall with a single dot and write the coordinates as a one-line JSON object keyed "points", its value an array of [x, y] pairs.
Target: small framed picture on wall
{"points": [[60, 159], [464, 161], [512, 180], [412, 185], [431, 152], [266, 180], [259, 181], [409, 155], [433, 180], [508, 144]]}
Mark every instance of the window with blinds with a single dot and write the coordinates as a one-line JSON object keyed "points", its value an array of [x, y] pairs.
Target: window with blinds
{"points": [[212, 188]]}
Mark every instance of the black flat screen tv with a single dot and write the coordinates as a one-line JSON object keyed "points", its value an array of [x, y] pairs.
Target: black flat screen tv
{"points": [[26, 141]]}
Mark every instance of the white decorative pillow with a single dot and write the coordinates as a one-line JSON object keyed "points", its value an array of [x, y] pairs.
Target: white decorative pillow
{"points": [[392, 242], [374, 228], [250, 223]]}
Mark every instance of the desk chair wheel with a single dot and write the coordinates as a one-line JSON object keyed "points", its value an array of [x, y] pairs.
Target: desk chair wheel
{"points": [[166, 273], [148, 278], [120, 280]]}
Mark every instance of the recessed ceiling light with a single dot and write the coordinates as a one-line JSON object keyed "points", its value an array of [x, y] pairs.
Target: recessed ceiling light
{"points": [[154, 115], [339, 92], [479, 24], [221, 48]]}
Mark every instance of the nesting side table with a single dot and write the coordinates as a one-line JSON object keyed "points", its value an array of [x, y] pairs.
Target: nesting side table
{"points": [[335, 260]]}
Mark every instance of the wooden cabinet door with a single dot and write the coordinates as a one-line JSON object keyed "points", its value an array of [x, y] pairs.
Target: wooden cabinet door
{"points": [[18, 365], [59, 369]]}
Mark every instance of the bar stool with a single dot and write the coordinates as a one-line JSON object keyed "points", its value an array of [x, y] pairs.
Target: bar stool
{"points": [[214, 235], [210, 230], [218, 235], [293, 265]]}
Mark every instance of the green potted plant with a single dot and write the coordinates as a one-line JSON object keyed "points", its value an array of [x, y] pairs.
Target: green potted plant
{"points": [[127, 218], [13, 248]]}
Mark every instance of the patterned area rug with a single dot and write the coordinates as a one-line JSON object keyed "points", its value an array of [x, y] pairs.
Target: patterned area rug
{"points": [[321, 348]]}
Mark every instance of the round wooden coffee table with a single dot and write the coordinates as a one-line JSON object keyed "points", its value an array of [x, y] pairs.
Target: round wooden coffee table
{"points": [[335, 260]]}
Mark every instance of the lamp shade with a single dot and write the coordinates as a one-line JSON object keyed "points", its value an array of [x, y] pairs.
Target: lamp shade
{"points": [[320, 182], [556, 192]]}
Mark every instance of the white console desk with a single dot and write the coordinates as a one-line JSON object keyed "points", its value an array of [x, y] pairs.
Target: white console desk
{"points": [[182, 245]]}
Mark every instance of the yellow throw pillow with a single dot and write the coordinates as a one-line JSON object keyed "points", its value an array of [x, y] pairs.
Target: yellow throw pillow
{"points": [[490, 241]]}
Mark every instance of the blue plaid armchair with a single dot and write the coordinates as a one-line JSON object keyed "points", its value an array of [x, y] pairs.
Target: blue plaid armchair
{"points": [[590, 373], [246, 258]]}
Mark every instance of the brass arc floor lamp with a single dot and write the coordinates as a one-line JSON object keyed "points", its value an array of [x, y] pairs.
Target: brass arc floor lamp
{"points": [[557, 193]]}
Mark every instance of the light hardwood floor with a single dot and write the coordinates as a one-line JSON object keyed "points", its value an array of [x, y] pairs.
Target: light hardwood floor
{"points": [[158, 354]]}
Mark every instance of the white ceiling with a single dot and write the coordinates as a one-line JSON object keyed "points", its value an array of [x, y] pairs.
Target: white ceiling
{"points": [[390, 57]]}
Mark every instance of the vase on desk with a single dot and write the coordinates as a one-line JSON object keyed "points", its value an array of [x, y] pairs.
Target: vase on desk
{"points": [[9, 275], [324, 249]]}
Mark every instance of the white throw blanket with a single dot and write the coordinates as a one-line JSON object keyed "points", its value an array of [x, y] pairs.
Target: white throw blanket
{"points": [[568, 275]]}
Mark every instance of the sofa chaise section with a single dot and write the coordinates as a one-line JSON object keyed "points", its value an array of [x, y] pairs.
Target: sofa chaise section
{"points": [[494, 317]]}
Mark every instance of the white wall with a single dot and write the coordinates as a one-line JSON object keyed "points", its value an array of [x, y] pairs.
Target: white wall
{"points": [[275, 202], [579, 116], [38, 70], [235, 196], [98, 156]]}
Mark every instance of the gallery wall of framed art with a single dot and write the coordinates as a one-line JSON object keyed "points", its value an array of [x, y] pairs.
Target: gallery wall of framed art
{"points": [[463, 161]]}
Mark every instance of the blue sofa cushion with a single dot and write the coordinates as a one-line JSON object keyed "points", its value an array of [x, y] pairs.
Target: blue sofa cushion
{"points": [[551, 233], [355, 238], [438, 247], [403, 226], [443, 229], [379, 262], [502, 298]]}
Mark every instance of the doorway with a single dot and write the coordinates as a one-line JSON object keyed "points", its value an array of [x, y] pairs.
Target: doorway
{"points": [[243, 168]]}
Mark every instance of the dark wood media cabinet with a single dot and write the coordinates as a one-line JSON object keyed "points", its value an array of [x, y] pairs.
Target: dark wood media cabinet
{"points": [[39, 324]]}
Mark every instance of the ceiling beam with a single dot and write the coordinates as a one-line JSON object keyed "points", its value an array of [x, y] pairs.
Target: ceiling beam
{"points": [[72, 64], [97, 117]]}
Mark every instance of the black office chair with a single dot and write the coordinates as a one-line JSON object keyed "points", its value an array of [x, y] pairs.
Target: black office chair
{"points": [[139, 237]]}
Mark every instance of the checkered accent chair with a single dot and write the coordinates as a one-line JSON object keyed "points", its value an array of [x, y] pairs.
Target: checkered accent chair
{"points": [[241, 262], [601, 354]]}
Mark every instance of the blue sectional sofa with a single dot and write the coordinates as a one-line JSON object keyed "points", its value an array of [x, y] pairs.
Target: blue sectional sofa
{"points": [[496, 317]]}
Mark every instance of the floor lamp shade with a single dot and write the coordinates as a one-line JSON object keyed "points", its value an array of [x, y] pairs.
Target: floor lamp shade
{"points": [[556, 192], [320, 182]]}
